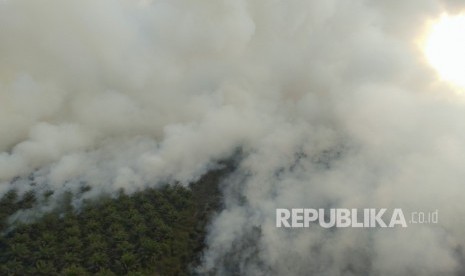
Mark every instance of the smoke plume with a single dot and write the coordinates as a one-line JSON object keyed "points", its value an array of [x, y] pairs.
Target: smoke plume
{"points": [[331, 104]]}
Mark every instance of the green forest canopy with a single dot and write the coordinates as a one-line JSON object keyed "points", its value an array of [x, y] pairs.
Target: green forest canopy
{"points": [[151, 232]]}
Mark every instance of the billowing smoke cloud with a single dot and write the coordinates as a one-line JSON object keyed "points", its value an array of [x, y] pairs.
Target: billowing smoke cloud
{"points": [[330, 102]]}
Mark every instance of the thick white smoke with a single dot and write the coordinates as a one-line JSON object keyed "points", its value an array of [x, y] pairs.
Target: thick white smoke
{"points": [[331, 103]]}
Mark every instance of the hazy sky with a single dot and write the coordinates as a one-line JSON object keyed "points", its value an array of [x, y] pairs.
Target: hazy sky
{"points": [[332, 103]]}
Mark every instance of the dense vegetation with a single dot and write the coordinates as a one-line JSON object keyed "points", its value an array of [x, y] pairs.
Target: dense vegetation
{"points": [[152, 232]]}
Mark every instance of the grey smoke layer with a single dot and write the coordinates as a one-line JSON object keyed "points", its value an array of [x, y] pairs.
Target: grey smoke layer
{"points": [[331, 102]]}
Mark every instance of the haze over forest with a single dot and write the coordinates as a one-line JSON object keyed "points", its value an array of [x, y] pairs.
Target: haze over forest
{"points": [[195, 120]]}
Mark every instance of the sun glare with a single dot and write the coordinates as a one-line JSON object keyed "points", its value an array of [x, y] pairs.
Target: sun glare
{"points": [[445, 48]]}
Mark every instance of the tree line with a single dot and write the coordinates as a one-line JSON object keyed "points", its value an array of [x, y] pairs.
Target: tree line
{"points": [[151, 232]]}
